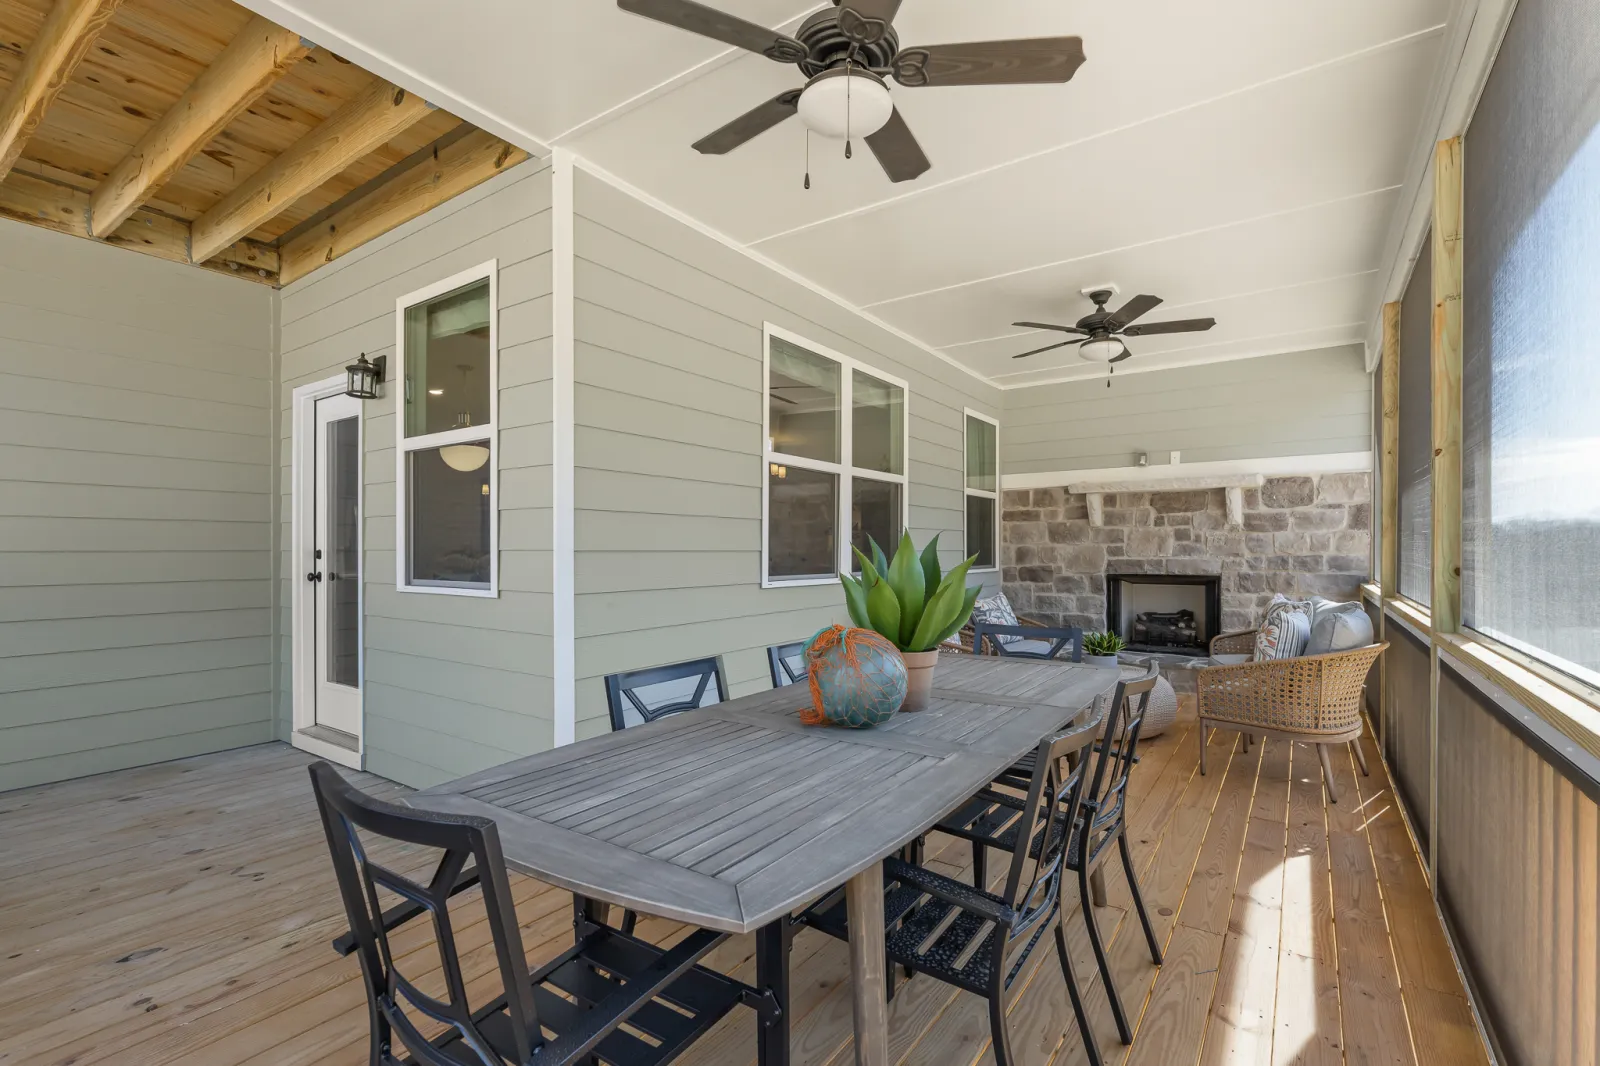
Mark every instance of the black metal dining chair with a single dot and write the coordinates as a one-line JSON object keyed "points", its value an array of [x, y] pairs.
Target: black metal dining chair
{"points": [[1097, 819], [787, 663], [609, 998], [1033, 642], [639, 696], [969, 937]]}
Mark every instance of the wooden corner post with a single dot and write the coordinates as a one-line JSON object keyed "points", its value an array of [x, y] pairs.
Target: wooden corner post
{"points": [[1389, 502], [1447, 281]]}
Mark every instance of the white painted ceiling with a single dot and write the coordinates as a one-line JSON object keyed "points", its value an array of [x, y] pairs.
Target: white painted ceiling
{"points": [[1241, 159]]}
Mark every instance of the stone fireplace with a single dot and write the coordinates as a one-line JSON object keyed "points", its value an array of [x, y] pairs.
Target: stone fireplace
{"points": [[1175, 613], [1300, 535]]}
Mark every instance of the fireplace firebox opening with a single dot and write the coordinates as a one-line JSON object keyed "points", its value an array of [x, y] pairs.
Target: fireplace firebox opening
{"points": [[1164, 612]]}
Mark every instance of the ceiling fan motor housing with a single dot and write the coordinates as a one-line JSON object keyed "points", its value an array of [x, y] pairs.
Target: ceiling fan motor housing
{"points": [[828, 46]]}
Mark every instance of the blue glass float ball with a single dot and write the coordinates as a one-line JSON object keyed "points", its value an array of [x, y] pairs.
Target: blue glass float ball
{"points": [[858, 678]]}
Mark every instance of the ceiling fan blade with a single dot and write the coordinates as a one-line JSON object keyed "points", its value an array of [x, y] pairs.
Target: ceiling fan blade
{"points": [[1047, 325], [1134, 308], [1186, 325], [756, 121], [1019, 62], [719, 26], [1125, 354], [1046, 348], [897, 150], [866, 21]]}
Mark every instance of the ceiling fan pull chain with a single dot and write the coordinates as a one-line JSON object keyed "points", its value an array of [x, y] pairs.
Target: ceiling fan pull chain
{"points": [[808, 159], [847, 64]]}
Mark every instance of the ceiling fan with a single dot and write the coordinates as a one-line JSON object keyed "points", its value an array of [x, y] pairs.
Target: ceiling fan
{"points": [[1102, 331], [847, 52]]}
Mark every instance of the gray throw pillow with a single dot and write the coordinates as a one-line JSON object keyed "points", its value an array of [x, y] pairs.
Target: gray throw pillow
{"points": [[1339, 627]]}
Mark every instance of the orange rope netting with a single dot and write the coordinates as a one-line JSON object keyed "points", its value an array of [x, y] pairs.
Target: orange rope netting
{"points": [[823, 643]]}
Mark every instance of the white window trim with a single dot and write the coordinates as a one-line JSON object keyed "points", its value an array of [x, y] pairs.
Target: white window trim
{"points": [[966, 539], [846, 473], [405, 445]]}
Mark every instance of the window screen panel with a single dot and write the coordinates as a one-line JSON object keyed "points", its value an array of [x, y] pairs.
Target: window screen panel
{"points": [[1416, 430], [1531, 357]]}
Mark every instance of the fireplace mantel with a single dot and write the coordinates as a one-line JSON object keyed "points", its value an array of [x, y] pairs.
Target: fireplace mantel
{"points": [[1233, 486]]}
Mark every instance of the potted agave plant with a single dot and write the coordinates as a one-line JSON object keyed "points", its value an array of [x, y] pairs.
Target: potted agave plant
{"points": [[1101, 648], [908, 601]]}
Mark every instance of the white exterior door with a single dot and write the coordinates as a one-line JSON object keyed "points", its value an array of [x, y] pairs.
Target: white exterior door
{"points": [[335, 574]]}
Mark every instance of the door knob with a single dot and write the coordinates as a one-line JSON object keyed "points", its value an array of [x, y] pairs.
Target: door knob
{"points": [[314, 576]]}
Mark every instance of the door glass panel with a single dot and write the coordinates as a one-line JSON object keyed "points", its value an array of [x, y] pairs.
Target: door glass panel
{"points": [[344, 551]]}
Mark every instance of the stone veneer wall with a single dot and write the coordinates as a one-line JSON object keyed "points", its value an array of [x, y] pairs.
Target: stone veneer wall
{"points": [[1301, 536]]}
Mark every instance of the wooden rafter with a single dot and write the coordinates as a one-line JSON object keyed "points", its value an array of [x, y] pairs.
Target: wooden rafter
{"points": [[364, 124], [66, 34], [448, 170], [257, 57]]}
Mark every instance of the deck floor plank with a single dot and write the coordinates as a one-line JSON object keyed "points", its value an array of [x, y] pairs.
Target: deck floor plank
{"points": [[181, 914]]}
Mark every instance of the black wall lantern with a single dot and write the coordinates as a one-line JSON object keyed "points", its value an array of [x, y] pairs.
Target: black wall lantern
{"points": [[364, 377]]}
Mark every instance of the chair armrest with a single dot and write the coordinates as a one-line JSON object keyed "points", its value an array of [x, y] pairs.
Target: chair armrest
{"points": [[401, 913], [949, 890], [1239, 642], [1025, 620], [622, 1004]]}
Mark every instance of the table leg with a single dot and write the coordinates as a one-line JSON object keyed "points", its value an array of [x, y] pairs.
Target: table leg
{"points": [[772, 975], [869, 985]]}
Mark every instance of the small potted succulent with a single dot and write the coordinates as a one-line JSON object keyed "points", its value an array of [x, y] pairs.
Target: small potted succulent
{"points": [[1100, 649], [908, 601]]}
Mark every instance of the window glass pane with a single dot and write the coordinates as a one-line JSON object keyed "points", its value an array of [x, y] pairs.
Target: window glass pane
{"points": [[344, 552], [802, 515], [981, 459], [878, 425], [447, 361], [803, 403], [1415, 518], [875, 512], [980, 530], [1530, 375], [450, 515]]}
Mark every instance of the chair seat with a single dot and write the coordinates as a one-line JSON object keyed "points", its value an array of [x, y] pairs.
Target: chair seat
{"points": [[701, 997]]}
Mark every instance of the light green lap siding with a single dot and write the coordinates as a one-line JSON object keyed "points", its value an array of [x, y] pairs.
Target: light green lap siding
{"points": [[667, 362], [136, 466], [1303, 403], [452, 684]]}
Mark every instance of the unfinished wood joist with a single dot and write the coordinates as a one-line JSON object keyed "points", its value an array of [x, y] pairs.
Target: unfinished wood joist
{"points": [[200, 133]]}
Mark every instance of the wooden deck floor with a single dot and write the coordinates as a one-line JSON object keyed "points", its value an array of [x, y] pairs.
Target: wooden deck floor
{"points": [[180, 915]]}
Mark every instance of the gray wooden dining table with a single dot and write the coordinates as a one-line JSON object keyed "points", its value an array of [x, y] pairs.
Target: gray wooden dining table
{"points": [[732, 816]]}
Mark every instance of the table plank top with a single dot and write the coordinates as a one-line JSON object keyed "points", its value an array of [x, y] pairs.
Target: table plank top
{"points": [[728, 816]]}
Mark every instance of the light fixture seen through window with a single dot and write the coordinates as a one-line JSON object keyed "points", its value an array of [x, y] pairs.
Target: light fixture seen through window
{"points": [[363, 377]]}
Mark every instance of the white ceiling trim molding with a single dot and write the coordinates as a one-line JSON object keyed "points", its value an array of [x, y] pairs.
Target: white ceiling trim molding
{"points": [[771, 264], [923, 189], [292, 18], [1221, 471], [1096, 371], [1220, 227], [1472, 40]]}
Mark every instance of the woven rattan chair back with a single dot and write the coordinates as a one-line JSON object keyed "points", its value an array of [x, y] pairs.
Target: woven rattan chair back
{"points": [[393, 999], [1314, 695]]}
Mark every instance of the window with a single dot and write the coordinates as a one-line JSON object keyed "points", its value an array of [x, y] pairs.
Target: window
{"points": [[1530, 377], [832, 481], [446, 447], [1415, 517], [982, 489]]}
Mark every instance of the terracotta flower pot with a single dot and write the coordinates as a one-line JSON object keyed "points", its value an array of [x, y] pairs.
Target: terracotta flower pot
{"points": [[919, 678]]}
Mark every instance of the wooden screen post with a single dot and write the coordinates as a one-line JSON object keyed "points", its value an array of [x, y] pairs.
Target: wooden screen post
{"points": [[1389, 503], [1445, 609]]}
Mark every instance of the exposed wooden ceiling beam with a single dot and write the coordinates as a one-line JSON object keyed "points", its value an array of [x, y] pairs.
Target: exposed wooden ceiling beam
{"points": [[367, 122], [450, 170], [26, 197], [257, 57], [64, 36]]}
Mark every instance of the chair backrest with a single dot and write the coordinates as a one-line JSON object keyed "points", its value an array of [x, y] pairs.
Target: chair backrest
{"points": [[391, 995], [1059, 638], [640, 696], [1033, 883], [788, 663], [1107, 784]]}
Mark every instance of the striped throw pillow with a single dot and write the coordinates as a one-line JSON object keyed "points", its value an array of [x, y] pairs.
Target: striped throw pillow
{"points": [[1285, 630]]}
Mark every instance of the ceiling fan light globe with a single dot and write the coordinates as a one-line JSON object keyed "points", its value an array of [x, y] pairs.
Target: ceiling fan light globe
{"points": [[845, 105], [1101, 350]]}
